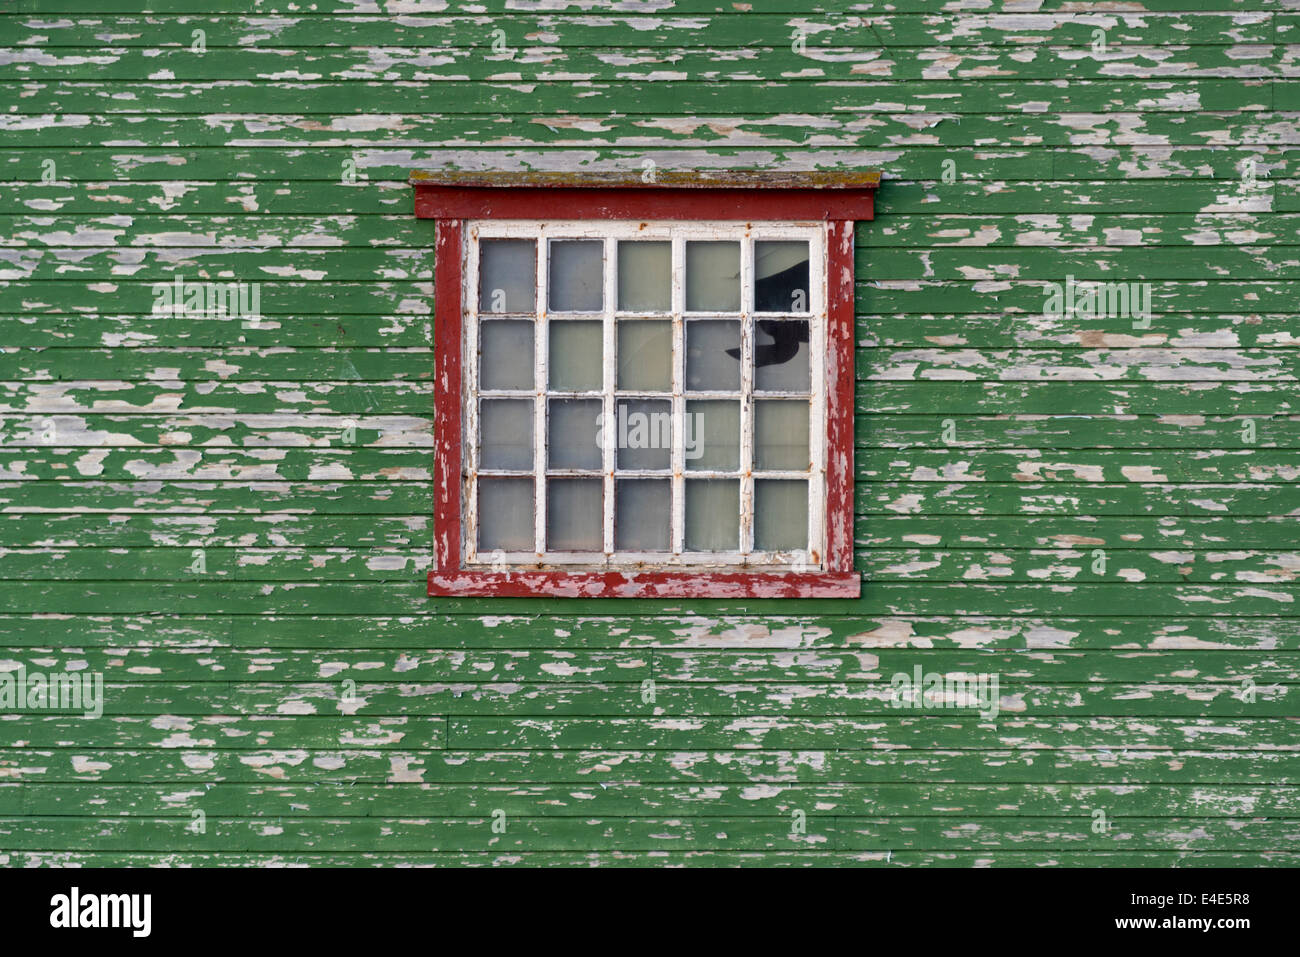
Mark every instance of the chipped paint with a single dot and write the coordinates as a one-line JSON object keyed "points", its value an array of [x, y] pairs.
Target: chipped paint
{"points": [[1121, 686]]}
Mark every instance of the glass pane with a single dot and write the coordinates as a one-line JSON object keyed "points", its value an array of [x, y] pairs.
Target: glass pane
{"points": [[712, 515], [572, 434], [713, 277], [713, 355], [711, 435], [781, 356], [781, 435], [781, 276], [644, 439], [574, 354], [574, 515], [780, 515], [505, 354], [507, 275], [645, 355], [576, 280], [505, 515], [506, 434], [645, 276], [642, 516]]}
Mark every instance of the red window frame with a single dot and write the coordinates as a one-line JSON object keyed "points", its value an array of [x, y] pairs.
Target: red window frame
{"points": [[839, 200]]}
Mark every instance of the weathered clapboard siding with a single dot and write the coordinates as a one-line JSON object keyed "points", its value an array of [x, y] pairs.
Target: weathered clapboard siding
{"points": [[298, 687]]}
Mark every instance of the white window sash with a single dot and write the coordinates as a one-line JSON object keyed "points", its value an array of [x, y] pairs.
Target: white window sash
{"points": [[677, 234]]}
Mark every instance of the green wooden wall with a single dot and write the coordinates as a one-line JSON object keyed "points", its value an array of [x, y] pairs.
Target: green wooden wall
{"points": [[184, 509]]}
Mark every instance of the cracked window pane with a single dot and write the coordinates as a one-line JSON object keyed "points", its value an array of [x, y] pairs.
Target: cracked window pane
{"points": [[780, 276]]}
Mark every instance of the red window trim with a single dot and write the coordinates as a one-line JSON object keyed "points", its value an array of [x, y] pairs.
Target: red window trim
{"points": [[451, 200]]}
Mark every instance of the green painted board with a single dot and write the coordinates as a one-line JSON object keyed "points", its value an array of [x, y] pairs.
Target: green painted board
{"points": [[231, 524]]}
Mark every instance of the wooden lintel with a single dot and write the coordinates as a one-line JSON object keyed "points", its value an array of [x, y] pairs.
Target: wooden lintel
{"points": [[657, 178]]}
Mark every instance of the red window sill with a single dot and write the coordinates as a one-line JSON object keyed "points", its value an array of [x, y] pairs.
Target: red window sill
{"points": [[525, 584]]}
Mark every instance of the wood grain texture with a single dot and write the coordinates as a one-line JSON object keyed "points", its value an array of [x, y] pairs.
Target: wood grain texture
{"points": [[231, 523]]}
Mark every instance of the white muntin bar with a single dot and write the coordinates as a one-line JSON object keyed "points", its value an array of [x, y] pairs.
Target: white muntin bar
{"points": [[677, 501], [746, 394], [610, 375], [542, 341]]}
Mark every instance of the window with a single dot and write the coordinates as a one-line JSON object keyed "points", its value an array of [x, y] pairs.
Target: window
{"points": [[643, 395], [639, 406]]}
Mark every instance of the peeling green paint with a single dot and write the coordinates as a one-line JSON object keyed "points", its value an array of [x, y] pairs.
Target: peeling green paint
{"points": [[181, 513]]}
